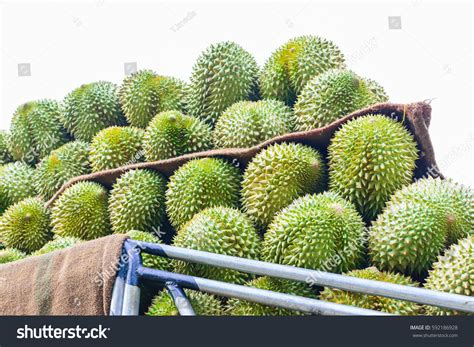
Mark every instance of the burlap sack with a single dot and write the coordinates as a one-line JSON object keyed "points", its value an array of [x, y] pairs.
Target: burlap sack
{"points": [[74, 281], [416, 117]]}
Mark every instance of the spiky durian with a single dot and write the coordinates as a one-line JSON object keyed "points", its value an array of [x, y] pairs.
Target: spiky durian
{"points": [[278, 175], [199, 184], [203, 304], [57, 243], [220, 230], [293, 64], [90, 108], [321, 232], [377, 92], [247, 123], [237, 307], [16, 183], [137, 201], [453, 272], [36, 130], [333, 95], [418, 222], [81, 211], [116, 146], [144, 94], [5, 156], [9, 255], [172, 133], [25, 225], [153, 261], [223, 74], [369, 159], [62, 164], [372, 302]]}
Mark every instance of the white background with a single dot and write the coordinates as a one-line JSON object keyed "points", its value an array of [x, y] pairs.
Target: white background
{"points": [[430, 57]]}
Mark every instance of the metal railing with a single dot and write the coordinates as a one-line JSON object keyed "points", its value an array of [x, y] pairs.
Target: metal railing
{"points": [[126, 293]]}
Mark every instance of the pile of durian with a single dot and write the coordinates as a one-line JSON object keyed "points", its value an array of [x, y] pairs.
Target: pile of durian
{"points": [[354, 208]]}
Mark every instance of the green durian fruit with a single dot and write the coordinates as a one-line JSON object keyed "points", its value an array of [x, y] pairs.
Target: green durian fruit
{"points": [[91, 108], [62, 164], [81, 211], [369, 159], [293, 64], [171, 134], [321, 232], [5, 156], [247, 123], [36, 130], [371, 302], [152, 261], [25, 225], [333, 95], [116, 146], [144, 94], [223, 74], [453, 272], [203, 304], [137, 201], [199, 184], [16, 183], [377, 92], [417, 224], [9, 255], [237, 307], [278, 175], [220, 230], [57, 243]]}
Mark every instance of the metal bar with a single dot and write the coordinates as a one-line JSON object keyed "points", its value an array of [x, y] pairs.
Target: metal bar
{"points": [[116, 303], [259, 296], [131, 300], [180, 299], [317, 278]]}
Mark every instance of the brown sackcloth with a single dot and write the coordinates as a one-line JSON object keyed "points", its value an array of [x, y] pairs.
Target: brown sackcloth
{"points": [[416, 117], [74, 281]]}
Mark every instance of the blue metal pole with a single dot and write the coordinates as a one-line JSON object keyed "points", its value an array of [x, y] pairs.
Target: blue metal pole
{"points": [[180, 299], [317, 278], [131, 300], [264, 297]]}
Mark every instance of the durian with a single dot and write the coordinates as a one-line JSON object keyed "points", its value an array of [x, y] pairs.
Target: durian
{"points": [[293, 64], [333, 95], [171, 134], [64, 163], [137, 201], [36, 130], [116, 146], [203, 304], [223, 74], [57, 243], [278, 175], [9, 255], [152, 261], [418, 222], [5, 156], [369, 159], [453, 272], [144, 94], [81, 211], [220, 230], [16, 183], [25, 225], [246, 123], [198, 184], [320, 232], [237, 307], [372, 302], [91, 108]]}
